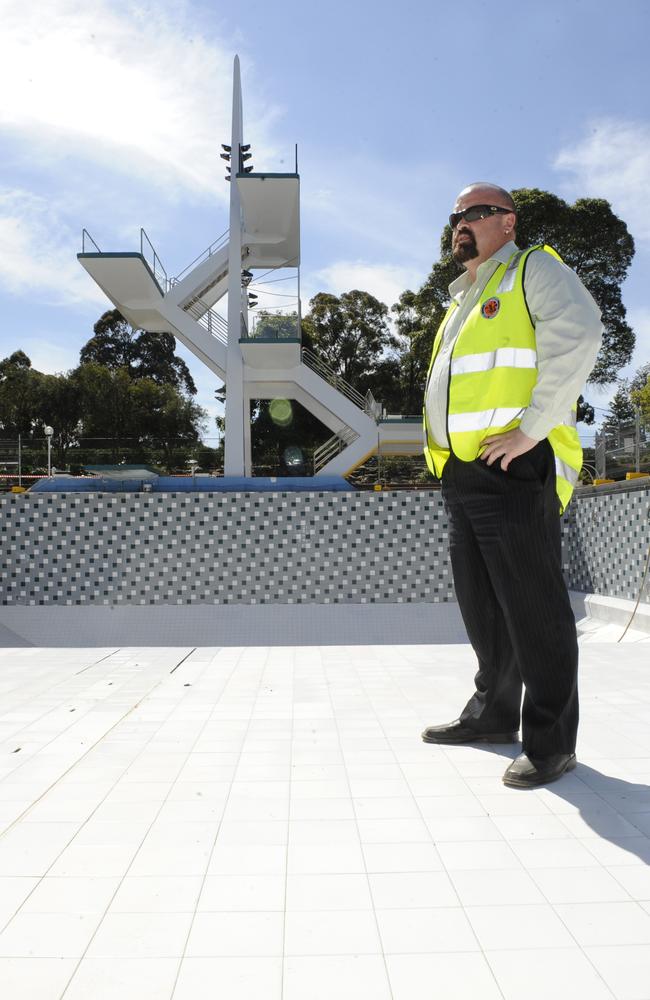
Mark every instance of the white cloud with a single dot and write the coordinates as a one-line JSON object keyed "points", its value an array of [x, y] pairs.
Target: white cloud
{"points": [[385, 281], [38, 253], [48, 357], [136, 88], [613, 161]]}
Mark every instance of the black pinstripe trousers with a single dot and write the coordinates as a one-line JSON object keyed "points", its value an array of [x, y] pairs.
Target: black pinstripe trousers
{"points": [[504, 537]]}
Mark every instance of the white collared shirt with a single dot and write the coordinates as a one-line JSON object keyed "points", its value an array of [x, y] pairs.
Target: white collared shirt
{"points": [[568, 332]]}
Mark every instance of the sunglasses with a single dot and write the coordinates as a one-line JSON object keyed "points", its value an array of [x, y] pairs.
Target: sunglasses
{"points": [[476, 212]]}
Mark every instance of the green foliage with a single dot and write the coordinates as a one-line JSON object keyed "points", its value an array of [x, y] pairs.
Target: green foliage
{"points": [[286, 447], [350, 333], [629, 395], [128, 399], [639, 389], [19, 395], [60, 406], [275, 326], [115, 344]]}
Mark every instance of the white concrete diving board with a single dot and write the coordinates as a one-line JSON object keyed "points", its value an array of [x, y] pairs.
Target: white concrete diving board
{"points": [[128, 281]]}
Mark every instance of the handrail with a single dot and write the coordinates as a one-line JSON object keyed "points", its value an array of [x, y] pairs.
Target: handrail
{"points": [[372, 407], [158, 269], [327, 372], [333, 446], [86, 235], [208, 252], [367, 403], [211, 321]]}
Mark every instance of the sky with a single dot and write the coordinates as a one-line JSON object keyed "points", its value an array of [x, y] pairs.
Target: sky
{"points": [[112, 115]]}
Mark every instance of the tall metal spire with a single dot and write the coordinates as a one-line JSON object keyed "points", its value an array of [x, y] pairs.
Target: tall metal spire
{"points": [[234, 452]]}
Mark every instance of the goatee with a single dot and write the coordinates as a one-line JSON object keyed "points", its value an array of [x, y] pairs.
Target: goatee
{"points": [[465, 250]]}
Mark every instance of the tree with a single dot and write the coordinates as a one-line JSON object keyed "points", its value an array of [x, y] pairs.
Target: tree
{"points": [[166, 419], [621, 408], [631, 393], [60, 406], [641, 398], [112, 343], [284, 435], [276, 326], [108, 405], [19, 395], [591, 240], [115, 344], [350, 333]]}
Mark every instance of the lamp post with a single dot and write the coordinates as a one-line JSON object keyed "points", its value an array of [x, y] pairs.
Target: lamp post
{"points": [[49, 431]]}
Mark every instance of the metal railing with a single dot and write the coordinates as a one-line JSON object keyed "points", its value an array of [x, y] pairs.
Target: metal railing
{"points": [[153, 260], [272, 326], [332, 447], [372, 407], [86, 238], [367, 403], [210, 320], [623, 448], [218, 244]]}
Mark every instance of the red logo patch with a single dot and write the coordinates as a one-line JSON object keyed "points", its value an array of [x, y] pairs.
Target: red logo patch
{"points": [[490, 308]]}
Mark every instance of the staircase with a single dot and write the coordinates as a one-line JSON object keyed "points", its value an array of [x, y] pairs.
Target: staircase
{"points": [[333, 447], [210, 320], [184, 306], [367, 403]]}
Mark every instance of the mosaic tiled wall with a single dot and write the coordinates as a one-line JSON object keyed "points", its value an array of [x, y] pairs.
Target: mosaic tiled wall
{"points": [[246, 548], [606, 544], [285, 548]]}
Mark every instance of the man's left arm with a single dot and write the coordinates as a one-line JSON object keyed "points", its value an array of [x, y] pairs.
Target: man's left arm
{"points": [[568, 332]]}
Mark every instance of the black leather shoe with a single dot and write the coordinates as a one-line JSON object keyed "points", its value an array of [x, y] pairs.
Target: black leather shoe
{"points": [[458, 732], [529, 772]]}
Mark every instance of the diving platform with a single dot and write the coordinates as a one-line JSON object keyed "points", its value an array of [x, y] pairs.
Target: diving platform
{"points": [[220, 309], [271, 210]]}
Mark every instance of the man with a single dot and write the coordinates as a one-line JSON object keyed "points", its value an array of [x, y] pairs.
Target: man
{"points": [[508, 363]]}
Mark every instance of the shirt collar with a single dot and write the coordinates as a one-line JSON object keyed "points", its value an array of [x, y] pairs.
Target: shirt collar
{"points": [[460, 285]]}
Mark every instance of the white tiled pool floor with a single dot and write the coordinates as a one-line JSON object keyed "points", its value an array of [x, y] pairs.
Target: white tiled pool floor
{"points": [[265, 823]]}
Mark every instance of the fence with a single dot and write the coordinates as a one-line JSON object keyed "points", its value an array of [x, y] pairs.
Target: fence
{"points": [[622, 448], [25, 459]]}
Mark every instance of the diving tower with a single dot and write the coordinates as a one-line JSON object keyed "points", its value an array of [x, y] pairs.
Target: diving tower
{"points": [[258, 358]]}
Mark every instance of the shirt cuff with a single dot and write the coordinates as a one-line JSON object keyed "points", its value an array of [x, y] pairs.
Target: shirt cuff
{"points": [[536, 425]]}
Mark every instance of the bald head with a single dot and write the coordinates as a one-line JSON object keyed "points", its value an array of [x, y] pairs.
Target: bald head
{"points": [[489, 194], [474, 241]]}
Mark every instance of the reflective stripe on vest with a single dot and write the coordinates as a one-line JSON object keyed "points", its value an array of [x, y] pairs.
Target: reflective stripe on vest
{"points": [[503, 357], [480, 419], [507, 282], [566, 471]]}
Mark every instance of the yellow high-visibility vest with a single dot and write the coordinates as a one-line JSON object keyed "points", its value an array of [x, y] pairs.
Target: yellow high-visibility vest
{"points": [[492, 376]]}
